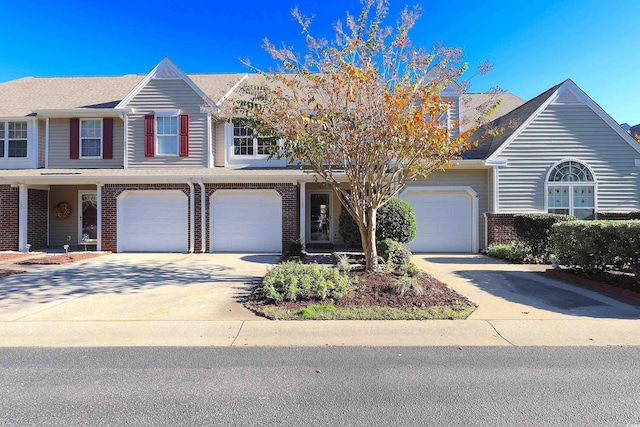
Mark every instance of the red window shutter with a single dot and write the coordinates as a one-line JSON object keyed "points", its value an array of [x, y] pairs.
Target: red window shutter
{"points": [[107, 138], [74, 139], [149, 135], [184, 135]]}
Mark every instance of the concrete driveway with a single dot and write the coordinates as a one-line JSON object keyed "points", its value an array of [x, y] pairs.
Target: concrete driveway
{"points": [[133, 287], [513, 291]]}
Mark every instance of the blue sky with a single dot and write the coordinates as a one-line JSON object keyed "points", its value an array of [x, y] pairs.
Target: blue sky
{"points": [[533, 44]]}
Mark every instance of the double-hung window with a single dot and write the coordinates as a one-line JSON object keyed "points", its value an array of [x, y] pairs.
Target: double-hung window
{"points": [[91, 138], [571, 190], [13, 139], [167, 133], [246, 141]]}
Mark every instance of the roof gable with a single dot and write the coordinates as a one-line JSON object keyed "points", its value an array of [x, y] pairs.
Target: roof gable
{"points": [[496, 136], [166, 70]]}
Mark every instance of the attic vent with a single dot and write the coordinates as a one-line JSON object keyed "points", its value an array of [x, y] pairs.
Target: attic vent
{"points": [[567, 97], [166, 72]]}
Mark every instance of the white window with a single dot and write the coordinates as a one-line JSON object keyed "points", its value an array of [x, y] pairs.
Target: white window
{"points": [[246, 141], [13, 139], [167, 133], [571, 190], [91, 138]]}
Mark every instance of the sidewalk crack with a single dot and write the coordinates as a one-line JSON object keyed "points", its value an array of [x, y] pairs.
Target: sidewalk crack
{"points": [[499, 334], [238, 334]]}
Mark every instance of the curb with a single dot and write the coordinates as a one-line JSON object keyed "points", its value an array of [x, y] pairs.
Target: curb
{"points": [[592, 283]]}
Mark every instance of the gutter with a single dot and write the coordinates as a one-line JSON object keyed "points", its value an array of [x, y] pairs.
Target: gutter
{"points": [[203, 219]]}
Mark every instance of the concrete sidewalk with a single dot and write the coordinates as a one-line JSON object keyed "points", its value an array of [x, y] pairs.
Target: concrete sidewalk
{"points": [[518, 307]]}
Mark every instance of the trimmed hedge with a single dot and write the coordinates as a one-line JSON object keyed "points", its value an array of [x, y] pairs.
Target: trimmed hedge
{"points": [[534, 230], [396, 255], [394, 220], [594, 245]]}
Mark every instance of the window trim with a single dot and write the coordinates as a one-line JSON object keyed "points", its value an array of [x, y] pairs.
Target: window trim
{"points": [[166, 113], [571, 185], [255, 139], [5, 140], [80, 138]]}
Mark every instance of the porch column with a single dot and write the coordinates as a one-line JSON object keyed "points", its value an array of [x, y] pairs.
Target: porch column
{"points": [[99, 217], [23, 217], [303, 214]]}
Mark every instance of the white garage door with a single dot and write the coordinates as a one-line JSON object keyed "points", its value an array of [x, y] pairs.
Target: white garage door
{"points": [[444, 220], [246, 221], [153, 221]]}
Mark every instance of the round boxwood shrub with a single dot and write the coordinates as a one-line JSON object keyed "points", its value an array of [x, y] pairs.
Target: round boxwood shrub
{"points": [[394, 220]]}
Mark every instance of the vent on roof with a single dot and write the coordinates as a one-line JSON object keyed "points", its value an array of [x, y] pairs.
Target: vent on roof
{"points": [[166, 72], [567, 97]]}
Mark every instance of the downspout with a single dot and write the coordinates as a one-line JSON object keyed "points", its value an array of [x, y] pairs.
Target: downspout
{"points": [[192, 217], [203, 217], [125, 119], [46, 145]]}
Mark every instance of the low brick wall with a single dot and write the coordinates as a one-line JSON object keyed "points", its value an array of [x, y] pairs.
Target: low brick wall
{"points": [[8, 218], [500, 228], [613, 215]]}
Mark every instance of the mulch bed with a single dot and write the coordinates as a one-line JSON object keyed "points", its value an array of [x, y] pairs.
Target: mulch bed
{"points": [[7, 273], [4, 256], [623, 283], [373, 289], [62, 259]]}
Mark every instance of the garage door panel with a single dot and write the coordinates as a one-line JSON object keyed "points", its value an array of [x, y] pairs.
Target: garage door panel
{"points": [[444, 221], [151, 221], [246, 221]]}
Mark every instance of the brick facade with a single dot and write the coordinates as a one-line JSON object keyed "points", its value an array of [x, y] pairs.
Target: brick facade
{"points": [[500, 228], [37, 218], [613, 215], [8, 218], [288, 192]]}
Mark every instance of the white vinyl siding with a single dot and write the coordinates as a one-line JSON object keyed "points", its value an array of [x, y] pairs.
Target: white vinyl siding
{"points": [[59, 147], [167, 94], [474, 178], [568, 131]]}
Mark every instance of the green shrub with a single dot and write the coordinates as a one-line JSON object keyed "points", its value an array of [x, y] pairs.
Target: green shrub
{"points": [[634, 215], [516, 252], [348, 229], [394, 220], [294, 249], [412, 270], [395, 254], [293, 281], [534, 230], [596, 245], [408, 285]]}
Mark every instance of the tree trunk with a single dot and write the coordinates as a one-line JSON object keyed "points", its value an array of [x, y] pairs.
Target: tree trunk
{"points": [[368, 237]]}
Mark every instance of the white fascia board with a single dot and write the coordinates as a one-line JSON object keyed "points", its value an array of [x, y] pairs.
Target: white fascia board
{"points": [[469, 164], [524, 125], [81, 112], [230, 91], [496, 163], [582, 95], [166, 62]]}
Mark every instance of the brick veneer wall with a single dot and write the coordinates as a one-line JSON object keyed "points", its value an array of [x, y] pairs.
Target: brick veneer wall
{"points": [[8, 218], [500, 228], [37, 218], [110, 193], [290, 207]]}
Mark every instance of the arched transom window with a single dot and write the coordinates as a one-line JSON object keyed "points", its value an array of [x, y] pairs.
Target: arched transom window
{"points": [[571, 190]]}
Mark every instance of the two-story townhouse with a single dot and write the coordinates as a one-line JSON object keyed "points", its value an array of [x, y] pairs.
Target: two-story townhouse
{"points": [[151, 163]]}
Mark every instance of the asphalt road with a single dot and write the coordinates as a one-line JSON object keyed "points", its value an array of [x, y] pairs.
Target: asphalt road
{"points": [[320, 386]]}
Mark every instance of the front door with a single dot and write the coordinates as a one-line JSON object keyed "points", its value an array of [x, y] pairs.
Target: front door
{"points": [[87, 216], [320, 217]]}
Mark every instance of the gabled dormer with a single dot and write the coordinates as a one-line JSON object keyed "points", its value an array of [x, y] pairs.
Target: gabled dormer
{"points": [[169, 123]]}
